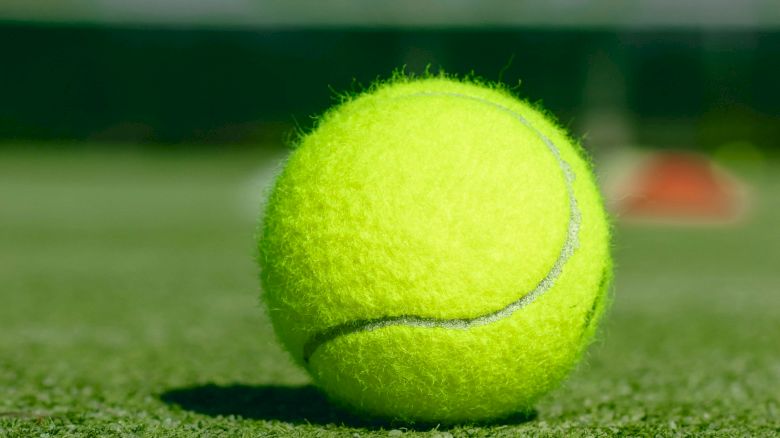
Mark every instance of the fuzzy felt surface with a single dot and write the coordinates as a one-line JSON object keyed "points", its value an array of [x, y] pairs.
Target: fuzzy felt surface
{"points": [[442, 200]]}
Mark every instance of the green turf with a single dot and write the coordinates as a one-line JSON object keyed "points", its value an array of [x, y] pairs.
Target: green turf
{"points": [[129, 306]]}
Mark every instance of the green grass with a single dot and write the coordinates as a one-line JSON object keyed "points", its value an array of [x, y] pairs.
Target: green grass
{"points": [[129, 306]]}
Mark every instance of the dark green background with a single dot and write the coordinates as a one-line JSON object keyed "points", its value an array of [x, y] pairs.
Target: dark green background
{"points": [[245, 86]]}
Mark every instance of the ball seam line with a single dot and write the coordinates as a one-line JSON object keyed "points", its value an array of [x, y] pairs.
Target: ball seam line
{"points": [[570, 245]]}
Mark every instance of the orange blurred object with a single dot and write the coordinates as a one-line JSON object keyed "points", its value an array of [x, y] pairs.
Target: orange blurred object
{"points": [[680, 186]]}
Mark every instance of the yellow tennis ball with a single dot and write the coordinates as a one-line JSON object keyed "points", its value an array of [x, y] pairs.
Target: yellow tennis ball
{"points": [[435, 250]]}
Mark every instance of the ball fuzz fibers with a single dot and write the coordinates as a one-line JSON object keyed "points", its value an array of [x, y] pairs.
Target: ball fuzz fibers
{"points": [[435, 250]]}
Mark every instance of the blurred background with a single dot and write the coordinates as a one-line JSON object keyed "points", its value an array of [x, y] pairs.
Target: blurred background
{"points": [[693, 75], [137, 139]]}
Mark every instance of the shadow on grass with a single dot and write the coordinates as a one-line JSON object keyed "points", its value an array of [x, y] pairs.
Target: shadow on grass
{"points": [[290, 404]]}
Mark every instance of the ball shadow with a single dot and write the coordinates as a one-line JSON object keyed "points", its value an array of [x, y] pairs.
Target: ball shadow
{"points": [[290, 404]]}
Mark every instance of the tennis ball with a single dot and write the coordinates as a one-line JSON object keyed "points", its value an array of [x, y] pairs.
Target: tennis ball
{"points": [[435, 250]]}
